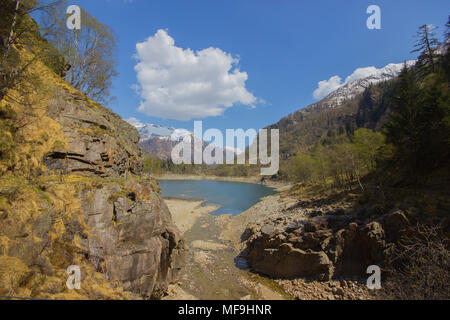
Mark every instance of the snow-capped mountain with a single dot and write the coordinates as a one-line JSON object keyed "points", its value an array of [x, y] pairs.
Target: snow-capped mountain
{"points": [[160, 140], [157, 139], [351, 89], [338, 112], [148, 131]]}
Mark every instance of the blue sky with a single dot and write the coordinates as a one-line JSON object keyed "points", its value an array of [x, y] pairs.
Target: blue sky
{"points": [[285, 47]]}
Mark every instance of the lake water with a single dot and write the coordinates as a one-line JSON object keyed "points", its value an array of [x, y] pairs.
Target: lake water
{"points": [[232, 197]]}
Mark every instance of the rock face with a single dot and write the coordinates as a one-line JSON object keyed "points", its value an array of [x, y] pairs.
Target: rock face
{"points": [[132, 238], [97, 140], [110, 218], [320, 247], [71, 194]]}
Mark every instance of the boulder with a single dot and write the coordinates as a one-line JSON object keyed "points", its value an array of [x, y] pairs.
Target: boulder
{"points": [[395, 224], [289, 262], [133, 240], [320, 247], [356, 249]]}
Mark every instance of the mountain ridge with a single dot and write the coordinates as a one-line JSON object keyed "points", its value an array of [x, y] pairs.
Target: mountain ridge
{"points": [[364, 102], [351, 89]]}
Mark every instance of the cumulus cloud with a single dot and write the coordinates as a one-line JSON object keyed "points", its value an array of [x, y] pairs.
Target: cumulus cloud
{"points": [[134, 122], [325, 87], [183, 84], [361, 73]]}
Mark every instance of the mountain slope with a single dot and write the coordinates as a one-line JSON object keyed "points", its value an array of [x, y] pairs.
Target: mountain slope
{"points": [[361, 103], [156, 139], [354, 88]]}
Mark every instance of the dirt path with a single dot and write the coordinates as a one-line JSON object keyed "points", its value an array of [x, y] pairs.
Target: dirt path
{"points": [[212, 270]]}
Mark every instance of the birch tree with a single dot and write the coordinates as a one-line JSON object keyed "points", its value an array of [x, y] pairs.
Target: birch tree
{"points": [[90, 52]]}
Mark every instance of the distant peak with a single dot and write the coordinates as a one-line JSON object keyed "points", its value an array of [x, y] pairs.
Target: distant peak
{"points": [[359, 80], [151, 130]]}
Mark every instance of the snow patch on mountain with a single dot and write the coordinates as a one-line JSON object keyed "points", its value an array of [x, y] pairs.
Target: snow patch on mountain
{"points": [[148, 131], [336, 91]]}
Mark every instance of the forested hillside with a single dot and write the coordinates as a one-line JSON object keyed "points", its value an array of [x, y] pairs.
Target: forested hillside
{"points": [[398, 128], [385, 154]]}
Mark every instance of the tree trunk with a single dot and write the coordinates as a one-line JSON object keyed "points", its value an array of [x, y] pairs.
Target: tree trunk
{"points": [[11, 33]]}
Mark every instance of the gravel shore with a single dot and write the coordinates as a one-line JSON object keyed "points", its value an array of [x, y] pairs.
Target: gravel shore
{"points": [[215, 244], [211, 271], [185, 213]]}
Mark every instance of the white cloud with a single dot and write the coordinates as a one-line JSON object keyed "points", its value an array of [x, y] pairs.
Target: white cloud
{"points": [[361, 73], [135, 122], [327, 86], [181, 84]]}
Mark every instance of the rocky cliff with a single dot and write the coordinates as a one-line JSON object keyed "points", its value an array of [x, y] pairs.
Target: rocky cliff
{"points": [[98, 140], [71, 194]]}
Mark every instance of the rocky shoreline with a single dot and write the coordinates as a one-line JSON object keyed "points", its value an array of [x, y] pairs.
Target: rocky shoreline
{"points": [[258, 235], [295, 248]]}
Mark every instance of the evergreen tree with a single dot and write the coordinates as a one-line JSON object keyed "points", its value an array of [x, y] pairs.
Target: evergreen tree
{"points": [[402, 130], [446, 57], [427, 44], [419, 127]]}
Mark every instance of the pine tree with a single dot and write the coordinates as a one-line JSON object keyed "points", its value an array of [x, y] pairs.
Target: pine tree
{"points": [[402, 130], [446, 58], [427, 44]]}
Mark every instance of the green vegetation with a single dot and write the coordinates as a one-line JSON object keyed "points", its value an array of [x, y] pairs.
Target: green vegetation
{"points": [[418, 129], [7, 145], [403, 133], [338, 161], [388, 143], [85, 58], [395, 150], [154, 165], [18, 31]]}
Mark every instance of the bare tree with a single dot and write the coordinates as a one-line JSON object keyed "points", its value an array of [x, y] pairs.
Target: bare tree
{"points": [[11, 33], [90, 51], [18, 32]]}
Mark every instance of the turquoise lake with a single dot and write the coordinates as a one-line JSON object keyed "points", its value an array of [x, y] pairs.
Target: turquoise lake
{"points": [[232, 197]]}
